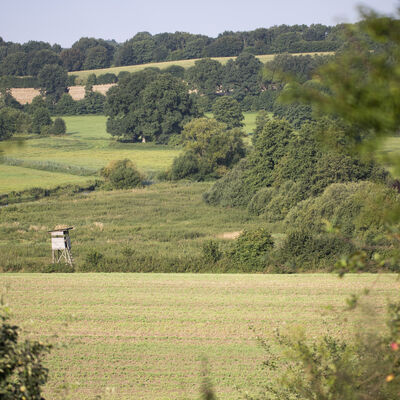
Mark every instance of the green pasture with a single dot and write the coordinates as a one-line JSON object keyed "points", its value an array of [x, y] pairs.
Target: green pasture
{"points": [[14, 178], [86, 145], [144, 336], [85, 149], [82, 75]]}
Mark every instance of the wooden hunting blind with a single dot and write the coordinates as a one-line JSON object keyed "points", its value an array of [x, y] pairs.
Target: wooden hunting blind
{"points": [[61, 245]]}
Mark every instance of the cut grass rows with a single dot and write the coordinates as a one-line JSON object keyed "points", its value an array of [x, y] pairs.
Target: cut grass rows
{"points": [[143, 336]]}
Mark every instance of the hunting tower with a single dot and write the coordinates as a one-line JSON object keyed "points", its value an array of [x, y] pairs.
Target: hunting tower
{"points": [[61, 245]]}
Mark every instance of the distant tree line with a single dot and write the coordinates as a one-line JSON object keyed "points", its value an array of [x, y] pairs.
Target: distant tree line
{"points": [[89, 53]]}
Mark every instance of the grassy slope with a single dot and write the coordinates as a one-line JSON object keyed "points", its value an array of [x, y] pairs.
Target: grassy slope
{"points": [[166, 221], [131, 336], [82, 75]]}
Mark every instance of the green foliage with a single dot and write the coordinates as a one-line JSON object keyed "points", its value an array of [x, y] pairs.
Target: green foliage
{"points": [[107, 78], [148, 105], [13, 121], [366, 366], [122, 174], [303, 250], [205, 76], [251, 249], [22, 373], [59, 127], [66, 105], [210, 149], [240, 185], [53, 81], [40, 119], [211, 252], [184, 166], [93, 259], [228, 111], [242, 76]]}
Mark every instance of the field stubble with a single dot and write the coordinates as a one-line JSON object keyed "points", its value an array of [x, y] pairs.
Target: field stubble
{"points": [[143, 336]]}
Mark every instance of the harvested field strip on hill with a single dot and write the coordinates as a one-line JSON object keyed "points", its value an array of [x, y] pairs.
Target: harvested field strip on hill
{"points": [[25, 96]]}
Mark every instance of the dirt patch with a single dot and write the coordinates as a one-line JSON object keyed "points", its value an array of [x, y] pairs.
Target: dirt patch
{"points": [[229, 235]]}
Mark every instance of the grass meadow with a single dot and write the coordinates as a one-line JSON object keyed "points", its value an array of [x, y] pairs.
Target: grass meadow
{"points": [[160, 227], [143, 336], [82, 75]]}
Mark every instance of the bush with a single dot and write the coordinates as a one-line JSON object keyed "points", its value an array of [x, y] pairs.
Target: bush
{"points": [[211, 252], [21, 364], [347, 206], [59, 127], [251, 249], [184, 166], [302, 251], [93, 259], [107, 78], [122, 174]]}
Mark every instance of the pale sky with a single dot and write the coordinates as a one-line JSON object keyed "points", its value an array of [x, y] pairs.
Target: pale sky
{"points": [[65, 21]]}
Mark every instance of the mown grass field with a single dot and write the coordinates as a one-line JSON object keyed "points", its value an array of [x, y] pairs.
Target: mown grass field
{"points": [[86, 145], [82, 75], [143, 336], [13, 178]]}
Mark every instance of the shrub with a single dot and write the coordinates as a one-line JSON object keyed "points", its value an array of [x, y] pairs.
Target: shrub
{"points": [[122, 174], [21, 364], [211, 252], [93, 259], [107, 78], [358, 209], [59, 127], [251, 249], [184, 166], [302, 251]]}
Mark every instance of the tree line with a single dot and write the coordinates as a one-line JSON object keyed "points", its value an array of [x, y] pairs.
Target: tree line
{"points": [[29, 58]]}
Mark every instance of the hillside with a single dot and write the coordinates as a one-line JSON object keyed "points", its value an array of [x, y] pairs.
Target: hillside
{"points": [[82, 75]]}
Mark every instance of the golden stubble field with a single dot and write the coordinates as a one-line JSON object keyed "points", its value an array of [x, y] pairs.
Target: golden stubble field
{"points": [[143, 336]]}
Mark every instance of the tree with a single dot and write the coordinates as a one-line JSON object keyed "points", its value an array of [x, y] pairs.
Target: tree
{"points": [[150, 105], [227, 110], [205, 76], [210, 149], [97, 57], [14, 64], [166, 108], [12, 121], [72, 59], [53, 81], [359, 88], [41, 119], [242, 76], [40, 59]]}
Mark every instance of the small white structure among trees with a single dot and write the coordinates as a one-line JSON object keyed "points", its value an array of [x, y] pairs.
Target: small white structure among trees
{"points": [[61, 245]]}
